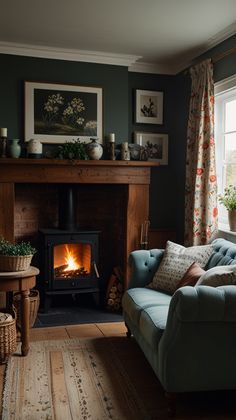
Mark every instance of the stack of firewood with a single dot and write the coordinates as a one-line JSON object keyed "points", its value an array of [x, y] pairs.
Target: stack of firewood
{"points": [[115, 290]]}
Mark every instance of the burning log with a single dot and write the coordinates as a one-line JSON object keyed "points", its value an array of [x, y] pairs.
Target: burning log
{"points": [[115, 290], [62, 272]]}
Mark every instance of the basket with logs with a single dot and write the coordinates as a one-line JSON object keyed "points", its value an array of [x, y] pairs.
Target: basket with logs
{"points": [[115, 290]]}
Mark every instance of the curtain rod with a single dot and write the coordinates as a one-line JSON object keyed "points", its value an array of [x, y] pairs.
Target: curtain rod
{"points": [[219, 57]]}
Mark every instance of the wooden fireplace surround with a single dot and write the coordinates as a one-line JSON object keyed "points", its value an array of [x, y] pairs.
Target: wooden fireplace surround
{"points": [[134, 174]]}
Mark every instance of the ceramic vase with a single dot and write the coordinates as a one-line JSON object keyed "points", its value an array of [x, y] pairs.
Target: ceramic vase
{"points": [[232, 220], [94, 150], [35, 149], [15, 149]]}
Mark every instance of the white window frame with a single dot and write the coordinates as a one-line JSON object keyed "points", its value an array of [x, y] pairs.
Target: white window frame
{"points": [[224, 90]]}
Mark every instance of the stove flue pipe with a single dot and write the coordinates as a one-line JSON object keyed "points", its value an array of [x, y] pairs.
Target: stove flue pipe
{"points": [[67, 207]]}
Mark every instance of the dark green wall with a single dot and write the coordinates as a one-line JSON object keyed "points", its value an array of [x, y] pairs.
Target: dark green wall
{"points": [[167, 182], [16, 69]]}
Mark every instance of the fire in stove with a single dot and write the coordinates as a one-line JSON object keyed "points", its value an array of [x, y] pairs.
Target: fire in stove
{"points": [[72, 260]]}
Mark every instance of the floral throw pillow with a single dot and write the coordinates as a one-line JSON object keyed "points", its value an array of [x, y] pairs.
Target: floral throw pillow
{"points": [[175, 263]]}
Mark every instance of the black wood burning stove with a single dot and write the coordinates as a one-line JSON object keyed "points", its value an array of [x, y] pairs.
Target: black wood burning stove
{"points": [[68, 256]]}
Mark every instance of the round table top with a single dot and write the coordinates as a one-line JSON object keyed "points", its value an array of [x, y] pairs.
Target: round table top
{"points": [[32, 271]]}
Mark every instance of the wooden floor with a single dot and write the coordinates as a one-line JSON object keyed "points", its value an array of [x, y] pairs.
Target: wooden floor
{"points": [[70, 331], [196, 406]]}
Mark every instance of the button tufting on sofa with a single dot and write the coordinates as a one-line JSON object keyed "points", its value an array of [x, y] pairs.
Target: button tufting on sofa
{"points": [[189, 338]]}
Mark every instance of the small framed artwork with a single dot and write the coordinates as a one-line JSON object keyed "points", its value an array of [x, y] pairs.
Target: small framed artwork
{"points": [[155, 146], [57, 113], [149, 107]]}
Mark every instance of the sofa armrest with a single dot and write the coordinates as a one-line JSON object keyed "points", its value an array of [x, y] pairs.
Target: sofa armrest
{"points": [[196, 351], [144, 264], [204, 303]]}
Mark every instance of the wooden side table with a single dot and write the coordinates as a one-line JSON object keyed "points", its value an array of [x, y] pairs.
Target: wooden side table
{"points": [[21, 281]]}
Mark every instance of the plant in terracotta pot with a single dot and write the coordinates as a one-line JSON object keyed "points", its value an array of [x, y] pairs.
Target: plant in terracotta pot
{"points": [[228, 199], [15, 256]]}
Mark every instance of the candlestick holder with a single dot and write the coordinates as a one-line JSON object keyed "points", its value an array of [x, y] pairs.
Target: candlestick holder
{"points": [[3, 147]]}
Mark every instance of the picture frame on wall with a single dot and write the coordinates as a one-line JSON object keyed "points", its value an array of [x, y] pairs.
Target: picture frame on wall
{"points": [[154, 145], [149, 107], [58, 113]]}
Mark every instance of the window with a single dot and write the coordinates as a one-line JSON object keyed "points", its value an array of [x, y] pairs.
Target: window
{"points": [[225, 137]]}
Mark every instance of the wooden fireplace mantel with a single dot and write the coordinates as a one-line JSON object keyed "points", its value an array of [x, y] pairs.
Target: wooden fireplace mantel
{"points": [[134, 175]]}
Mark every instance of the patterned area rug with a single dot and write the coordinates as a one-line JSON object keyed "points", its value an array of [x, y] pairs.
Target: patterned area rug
{"points": [[72, 379], [97, 379]]}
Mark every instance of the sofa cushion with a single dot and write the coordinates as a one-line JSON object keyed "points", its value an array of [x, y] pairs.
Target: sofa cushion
{"points": [[176, 261], [218, 276], [191, 276], [139, 298], [152, 324]]}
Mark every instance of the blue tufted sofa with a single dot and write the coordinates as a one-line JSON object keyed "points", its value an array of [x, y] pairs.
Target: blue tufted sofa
{"points": [[189, 338]]}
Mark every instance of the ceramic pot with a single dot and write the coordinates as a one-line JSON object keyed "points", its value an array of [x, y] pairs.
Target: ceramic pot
{"points": [[15, 148], [94, 150], [232, 220], [35, 149]]}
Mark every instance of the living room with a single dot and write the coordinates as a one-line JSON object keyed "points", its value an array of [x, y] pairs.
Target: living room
{"points": [[95, 49]]}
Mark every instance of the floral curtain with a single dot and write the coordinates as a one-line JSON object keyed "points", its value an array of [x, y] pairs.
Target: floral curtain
{"points": [[201, 188]]}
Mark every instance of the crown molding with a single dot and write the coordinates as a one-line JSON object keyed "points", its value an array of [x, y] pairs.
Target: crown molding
{"points": [[40, 51], [221, 36], [100, 57], [154, 68]]}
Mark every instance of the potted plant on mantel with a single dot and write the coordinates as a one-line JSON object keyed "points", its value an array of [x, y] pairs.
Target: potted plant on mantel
{"points": [[15, 257], [228, 199]]}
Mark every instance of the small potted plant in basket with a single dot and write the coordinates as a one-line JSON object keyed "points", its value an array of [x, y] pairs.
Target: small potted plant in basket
{"points": [[228, 199], [15, 257]]}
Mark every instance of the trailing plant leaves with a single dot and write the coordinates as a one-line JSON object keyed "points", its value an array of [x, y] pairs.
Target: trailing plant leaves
{"points": [[22, 248]]}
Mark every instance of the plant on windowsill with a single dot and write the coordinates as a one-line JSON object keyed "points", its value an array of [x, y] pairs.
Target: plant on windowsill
{"points": [[228, 199], [15, 257]]}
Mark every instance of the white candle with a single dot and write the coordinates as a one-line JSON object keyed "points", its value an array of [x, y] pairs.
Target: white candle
{"points": [[125, 146], [111, 137], [3, 132]]}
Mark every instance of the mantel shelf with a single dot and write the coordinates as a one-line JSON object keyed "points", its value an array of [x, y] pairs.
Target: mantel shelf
{"points": [[25, 170], [67, 162]]}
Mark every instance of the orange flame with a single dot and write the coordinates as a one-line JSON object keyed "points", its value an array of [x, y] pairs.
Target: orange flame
{"points": [[70, 260]]}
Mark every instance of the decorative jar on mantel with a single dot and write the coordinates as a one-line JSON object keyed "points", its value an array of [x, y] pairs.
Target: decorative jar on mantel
{"points": [[94, 150], [35, 149], [15, 148]]}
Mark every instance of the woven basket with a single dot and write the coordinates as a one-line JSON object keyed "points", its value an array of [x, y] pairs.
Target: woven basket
{"points": [[15, 263], [7, 336], [34, 306]]}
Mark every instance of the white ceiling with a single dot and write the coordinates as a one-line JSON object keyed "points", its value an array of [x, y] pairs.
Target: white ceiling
{"points": [[157, 35]]}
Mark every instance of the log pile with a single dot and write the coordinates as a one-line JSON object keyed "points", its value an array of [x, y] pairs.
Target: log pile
{"points": [[115, 291]]}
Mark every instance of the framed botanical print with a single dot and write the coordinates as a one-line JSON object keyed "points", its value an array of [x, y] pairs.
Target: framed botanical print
{"points": [[149, 107], [56, 113], [155, 146]]}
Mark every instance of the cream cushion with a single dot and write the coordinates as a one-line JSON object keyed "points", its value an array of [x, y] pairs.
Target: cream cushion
{"points": [[218, 276], [176, 261]]}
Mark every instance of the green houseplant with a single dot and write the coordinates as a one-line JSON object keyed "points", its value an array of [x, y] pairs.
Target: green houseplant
{"points": [[228, 199], [72, 150], [15, 256]]}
